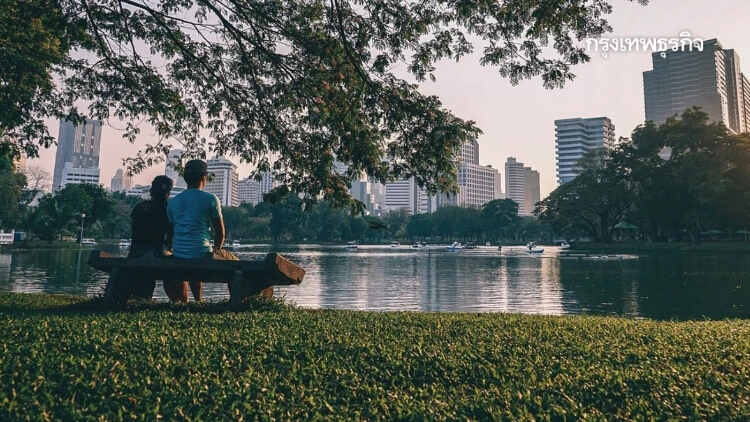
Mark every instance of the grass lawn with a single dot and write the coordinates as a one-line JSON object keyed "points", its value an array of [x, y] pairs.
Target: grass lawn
{"points": [[62, 360]]}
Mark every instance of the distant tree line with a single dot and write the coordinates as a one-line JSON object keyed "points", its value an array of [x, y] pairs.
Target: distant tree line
{"points": [[107, 215], [285, 220], [703, 186]]}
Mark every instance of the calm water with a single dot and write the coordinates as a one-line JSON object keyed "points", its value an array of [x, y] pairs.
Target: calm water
{"points": [[663, 286]]}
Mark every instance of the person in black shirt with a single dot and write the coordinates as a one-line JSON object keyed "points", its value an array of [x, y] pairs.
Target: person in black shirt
{"points": [[151, 233]]}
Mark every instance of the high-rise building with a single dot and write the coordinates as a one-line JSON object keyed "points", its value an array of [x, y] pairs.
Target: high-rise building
{"points": [[710, 79], [746, 100], [267, 182], [225, 181], [121, 181], [470, 152], [401, 194], [531, 190], [76, 176], [79, 146], [477, 183], [174, 158], [19, 164], [576, 137], [249, 191], [522, 186]]}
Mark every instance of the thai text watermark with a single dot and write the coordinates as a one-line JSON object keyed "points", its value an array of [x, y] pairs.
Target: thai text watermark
{"points": [[682, 43]]}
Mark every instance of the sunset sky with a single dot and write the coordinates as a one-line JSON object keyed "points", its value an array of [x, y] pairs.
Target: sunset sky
{"points": [[519, 121]]}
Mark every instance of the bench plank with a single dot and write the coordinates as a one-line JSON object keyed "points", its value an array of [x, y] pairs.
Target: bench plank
{"points": [[244, 278], [274, 270]]}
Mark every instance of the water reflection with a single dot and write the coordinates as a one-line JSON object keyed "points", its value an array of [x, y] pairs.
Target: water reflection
{"points": [[380, 278]]}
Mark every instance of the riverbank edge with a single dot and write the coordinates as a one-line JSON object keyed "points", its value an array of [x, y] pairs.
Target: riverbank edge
{"points": [[63, 360], [630, 248]]}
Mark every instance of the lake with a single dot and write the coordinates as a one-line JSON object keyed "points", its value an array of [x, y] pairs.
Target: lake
{"points": [[656, 285]]}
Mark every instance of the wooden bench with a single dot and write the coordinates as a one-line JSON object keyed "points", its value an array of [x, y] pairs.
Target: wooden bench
{"points": [[246, 278]]}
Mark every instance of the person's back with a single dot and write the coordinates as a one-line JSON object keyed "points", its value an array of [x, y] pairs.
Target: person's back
{"points": [[191, 213]]}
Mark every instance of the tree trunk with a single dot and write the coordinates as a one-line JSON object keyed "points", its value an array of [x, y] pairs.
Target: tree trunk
{"points": [[603, 226]]}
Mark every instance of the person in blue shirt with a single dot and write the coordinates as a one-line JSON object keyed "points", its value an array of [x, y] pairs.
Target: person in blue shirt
{"points": [[191, 214]]}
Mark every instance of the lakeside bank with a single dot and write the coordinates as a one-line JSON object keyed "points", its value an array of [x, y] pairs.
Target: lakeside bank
{"points": [[629, 248], [62, 360]]}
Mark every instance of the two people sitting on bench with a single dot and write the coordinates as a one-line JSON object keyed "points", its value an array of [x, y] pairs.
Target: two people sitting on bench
{"points": [[182, 225]]}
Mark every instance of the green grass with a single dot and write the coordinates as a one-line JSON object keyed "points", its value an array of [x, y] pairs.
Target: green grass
{"points": [[62, 360]]}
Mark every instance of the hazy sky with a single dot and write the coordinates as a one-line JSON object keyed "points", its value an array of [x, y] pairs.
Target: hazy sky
{"points": [[519, 121]]}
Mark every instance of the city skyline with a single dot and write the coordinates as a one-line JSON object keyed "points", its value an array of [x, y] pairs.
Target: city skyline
{"points": [[519, 121]]}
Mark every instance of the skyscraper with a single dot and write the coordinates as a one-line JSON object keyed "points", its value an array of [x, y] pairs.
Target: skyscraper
{"points": [[476, 182], [121, 181], [174, 158], [267, 182], [575, 137], [531, 190], [522, 186], [225, 181], [79, 146], [249, 191], [710, 79], [515, 181]]}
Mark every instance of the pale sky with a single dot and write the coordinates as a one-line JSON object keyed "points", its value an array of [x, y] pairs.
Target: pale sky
{"points": [[519, 121]]}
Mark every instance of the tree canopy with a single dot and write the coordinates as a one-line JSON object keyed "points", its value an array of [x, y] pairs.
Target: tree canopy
{"points": [[302, 81], [704, 184]]}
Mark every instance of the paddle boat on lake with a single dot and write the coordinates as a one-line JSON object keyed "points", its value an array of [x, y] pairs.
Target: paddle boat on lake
{"points": [[532, 249], [454, 247]]}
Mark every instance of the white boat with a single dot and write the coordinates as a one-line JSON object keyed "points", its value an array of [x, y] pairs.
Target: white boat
{"points": [[235, 244], [123, 243], [487, 243], [395, 245], [420, 245], [532, 249], [454, 247], [351, 245], [90, 242], [565, 245]]}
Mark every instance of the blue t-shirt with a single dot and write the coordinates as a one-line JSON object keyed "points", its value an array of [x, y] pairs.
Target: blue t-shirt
{"points": [[190, 213]]}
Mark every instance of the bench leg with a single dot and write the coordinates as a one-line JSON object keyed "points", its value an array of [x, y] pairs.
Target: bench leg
{"points": [[109, 291], [235, 292]]}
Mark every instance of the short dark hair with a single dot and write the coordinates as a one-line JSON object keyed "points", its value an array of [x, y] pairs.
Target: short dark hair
{"points": [[192, 178]]}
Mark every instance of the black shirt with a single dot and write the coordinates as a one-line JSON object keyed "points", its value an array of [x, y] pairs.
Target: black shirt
{"points": [[149, 229]]}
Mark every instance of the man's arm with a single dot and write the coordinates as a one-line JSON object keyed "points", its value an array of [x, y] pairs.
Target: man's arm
{"points": [[170, 236], [218, 225]]}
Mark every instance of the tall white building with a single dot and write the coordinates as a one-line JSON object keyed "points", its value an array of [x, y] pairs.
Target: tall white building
{"points": [[576, 137], [225, 181], [478, 184], [406, 194], [249, 191], [121, 181], [74, 175], [77, 148], [267, 182], [522, 186], [174, 158]]}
